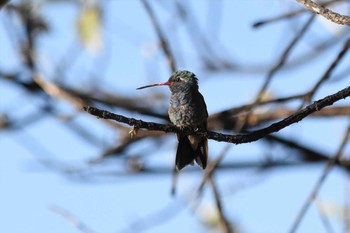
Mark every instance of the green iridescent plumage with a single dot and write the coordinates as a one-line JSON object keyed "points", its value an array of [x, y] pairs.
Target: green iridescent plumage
{"points": [[187, 110]]}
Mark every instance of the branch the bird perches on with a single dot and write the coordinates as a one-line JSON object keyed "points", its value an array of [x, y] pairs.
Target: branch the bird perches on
{"points": [[236, 139]]}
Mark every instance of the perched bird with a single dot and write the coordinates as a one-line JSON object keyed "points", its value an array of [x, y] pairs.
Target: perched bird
{"points": [[187, 110]]}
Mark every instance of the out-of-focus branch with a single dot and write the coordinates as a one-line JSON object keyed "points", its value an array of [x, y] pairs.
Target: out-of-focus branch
{"points": [[163, 42], [237, 139], [3, 3], [285, 55], [287, 15], [226, 226], [227, 121], [126, 143], [226, 116], [320, 181], [79, 224], [330, 69], [80, 98], [323, 217], [328, 14], [57, 92]]}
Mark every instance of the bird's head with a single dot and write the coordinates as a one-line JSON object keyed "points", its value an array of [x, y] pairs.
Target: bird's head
{"points": [[181, 80]]}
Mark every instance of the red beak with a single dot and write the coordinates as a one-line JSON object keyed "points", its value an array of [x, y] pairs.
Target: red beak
{"points": [[154, 85]]}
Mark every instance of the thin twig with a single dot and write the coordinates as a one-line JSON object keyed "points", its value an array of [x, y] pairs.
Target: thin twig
{"points": [[212, 166], [225, 120], [326, 171], [163, 42], [80, 225], [285, 55], [224, 222], [158, 217], [330, 69], [324, 219]]}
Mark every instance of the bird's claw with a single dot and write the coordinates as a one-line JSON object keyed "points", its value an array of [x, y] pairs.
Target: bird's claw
{"points": [[133, 131]]}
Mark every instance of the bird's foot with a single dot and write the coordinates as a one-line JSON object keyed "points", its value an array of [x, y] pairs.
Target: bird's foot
{"points": [[133, 131]]}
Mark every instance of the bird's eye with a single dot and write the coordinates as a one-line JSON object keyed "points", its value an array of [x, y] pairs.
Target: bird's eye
{"points": [[177, 79]]}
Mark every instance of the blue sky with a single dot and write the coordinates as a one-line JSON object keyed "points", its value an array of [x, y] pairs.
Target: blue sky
{"points": [[267, 202]]}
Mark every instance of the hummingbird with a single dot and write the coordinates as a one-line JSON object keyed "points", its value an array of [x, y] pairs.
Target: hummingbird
{"points": [[187, 110]]}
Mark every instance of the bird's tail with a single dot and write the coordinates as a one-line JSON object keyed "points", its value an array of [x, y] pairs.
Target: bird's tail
{"points": [[202, 153], [186, 155]]}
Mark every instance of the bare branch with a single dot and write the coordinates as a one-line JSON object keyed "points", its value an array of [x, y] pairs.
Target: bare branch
{"points": [[285, 55], [81, 226], [226, 226], [287, 15], [236, 139], [324, 218], [330, 69], [320, 181], [163, 42], [328, 14], [226, 120]]}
